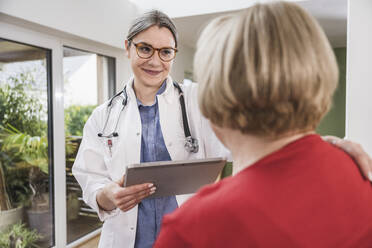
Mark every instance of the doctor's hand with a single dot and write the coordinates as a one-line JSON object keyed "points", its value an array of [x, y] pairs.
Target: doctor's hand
{"points": [[114, 195], [356, 151]]}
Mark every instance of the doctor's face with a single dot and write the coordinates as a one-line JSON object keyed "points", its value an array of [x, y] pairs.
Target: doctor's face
{"points": [[151, 72]]}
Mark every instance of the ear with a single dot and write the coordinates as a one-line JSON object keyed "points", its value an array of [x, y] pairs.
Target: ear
{"points": [[127, 49]]}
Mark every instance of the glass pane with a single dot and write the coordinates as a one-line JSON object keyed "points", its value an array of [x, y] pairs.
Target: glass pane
{"points": [[26, 179], [88, 82]]}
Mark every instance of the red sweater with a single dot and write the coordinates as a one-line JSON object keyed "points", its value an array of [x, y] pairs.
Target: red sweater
{"points": [[307, 194]]}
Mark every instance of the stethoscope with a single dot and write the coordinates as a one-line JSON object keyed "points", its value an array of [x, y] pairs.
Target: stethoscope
{"points": [[191, 144]]}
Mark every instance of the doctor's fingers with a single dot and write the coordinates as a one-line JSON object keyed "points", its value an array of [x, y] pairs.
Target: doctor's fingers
{"points": [[128, 207], [129, 202], [132, 190], [356, 151], [134, 197]]}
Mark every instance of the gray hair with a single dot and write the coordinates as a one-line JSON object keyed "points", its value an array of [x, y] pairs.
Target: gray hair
{"points": [[149, 19]]}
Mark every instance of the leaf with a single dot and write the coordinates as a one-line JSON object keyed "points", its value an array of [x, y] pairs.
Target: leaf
{"points": [[31, 149]]}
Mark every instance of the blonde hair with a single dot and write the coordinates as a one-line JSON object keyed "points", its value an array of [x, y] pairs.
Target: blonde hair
{"points": [[269, 70]]}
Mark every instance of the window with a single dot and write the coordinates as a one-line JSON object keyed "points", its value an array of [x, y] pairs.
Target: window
{"points": [[89, 80], [26, 147]]}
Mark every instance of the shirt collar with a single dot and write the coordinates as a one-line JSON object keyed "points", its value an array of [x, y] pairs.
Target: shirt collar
{"points": [[160, 91]]}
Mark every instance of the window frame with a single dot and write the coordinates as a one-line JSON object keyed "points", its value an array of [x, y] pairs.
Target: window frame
{"points": [[111, 91], [20, 31]]}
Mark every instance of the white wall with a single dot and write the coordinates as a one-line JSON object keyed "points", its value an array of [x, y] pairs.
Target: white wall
{"points": [[97, 20], [183, 61], [197, 7], [359, 69]]}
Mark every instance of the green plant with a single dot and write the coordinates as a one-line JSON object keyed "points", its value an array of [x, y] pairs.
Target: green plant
{"points": [[32, 150], [75, 118], [19, 236], [71, 145], [21, 109], [18, 187], [15, 186], [4, 198], [30, 155], [16, 178], [20, 105]]}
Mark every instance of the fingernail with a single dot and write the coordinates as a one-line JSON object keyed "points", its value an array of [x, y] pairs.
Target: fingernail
{"points": [[153, 189], [370, 176], [150, 185], [152, 192]]}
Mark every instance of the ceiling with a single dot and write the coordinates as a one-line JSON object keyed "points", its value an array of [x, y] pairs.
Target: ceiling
{"points": [[13, 52], [331, 14], [176, 9]]}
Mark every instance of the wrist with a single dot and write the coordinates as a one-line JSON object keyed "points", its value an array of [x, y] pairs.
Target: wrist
{"points": [[105, 199]]}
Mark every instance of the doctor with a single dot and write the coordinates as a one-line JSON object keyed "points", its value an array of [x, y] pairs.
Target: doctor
{"points": [[145, 122], [152, 119]]}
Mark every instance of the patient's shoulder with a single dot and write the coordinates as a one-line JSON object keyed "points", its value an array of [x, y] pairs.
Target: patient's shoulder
{"points": [[209, 204]]}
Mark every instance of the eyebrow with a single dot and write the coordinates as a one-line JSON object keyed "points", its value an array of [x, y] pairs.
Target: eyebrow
{"points": [[145, 43]]}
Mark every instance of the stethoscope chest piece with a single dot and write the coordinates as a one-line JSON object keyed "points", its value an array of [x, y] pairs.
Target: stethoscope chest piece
{"points": [[191, 145]]}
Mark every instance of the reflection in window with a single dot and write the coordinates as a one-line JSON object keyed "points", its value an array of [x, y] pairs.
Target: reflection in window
{"points": [[26, 180], [88, 82]]}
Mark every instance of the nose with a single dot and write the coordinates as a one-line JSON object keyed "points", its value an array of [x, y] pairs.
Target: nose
{"points": [[155, 59]]}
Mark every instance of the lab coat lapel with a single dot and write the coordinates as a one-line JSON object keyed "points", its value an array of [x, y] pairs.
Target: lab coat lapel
{"points": [[171, 122]]}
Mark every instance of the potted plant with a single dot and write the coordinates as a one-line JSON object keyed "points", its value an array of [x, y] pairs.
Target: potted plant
{"points": [[23, 142], [24, 111], [9, 215], [14, 190], [18, 236], [32, 153]]}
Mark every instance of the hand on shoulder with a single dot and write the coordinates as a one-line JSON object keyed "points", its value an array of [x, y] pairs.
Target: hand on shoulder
{"points": [[356, 151]]}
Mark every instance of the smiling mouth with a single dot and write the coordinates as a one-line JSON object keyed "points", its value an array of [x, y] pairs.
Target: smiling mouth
{"points": [[151, 72]]}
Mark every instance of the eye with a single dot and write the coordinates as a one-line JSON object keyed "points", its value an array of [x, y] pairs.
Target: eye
{"points": [[167, 52], [145, 49]]}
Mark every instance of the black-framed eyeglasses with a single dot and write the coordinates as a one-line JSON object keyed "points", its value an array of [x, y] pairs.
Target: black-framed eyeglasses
{"points": [[146, 51]]}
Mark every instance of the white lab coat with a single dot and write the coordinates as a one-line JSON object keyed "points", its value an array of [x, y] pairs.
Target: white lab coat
{"points": [[96, 166]]}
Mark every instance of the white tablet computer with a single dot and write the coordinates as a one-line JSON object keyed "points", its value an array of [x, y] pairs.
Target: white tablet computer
{"points": [[175, 177]]}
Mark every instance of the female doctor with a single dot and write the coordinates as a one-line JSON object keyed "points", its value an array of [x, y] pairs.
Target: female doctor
{"points": [[152, 119], [146, 122]]}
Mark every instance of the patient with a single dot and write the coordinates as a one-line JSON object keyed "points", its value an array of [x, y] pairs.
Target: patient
{"points": [[267, 76]]}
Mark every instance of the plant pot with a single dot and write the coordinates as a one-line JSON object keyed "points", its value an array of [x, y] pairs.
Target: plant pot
{"points": [[10, 217], [42, 222]]}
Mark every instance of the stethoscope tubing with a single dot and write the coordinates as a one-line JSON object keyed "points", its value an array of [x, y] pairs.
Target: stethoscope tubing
{"points": [[193, 143]]}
